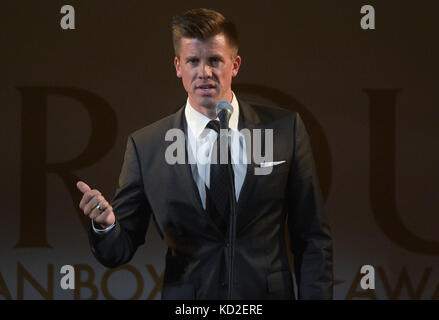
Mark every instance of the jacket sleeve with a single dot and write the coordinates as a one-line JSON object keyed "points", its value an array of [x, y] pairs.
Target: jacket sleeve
{"points": [[132, 212], [308, 226]]}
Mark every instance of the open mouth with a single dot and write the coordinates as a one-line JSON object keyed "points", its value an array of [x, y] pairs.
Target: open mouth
{"points": [[206, 87]]}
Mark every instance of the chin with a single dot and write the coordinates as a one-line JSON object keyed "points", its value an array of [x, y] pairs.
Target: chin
{"points": [[207, 101]]}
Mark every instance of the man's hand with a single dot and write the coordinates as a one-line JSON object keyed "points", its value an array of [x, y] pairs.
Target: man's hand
{"points": [[94, 205]]}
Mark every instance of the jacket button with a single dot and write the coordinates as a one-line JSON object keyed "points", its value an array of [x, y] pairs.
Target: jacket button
{"points": [[223, 284]]}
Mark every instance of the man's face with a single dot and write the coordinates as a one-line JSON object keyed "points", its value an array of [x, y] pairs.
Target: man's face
{"points": [[207, 68]]}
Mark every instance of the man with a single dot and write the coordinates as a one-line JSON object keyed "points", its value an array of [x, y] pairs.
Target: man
{"points": [[221, 245]]}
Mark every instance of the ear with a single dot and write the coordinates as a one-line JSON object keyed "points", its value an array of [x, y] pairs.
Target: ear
{"points": [[236, 65], [177, 66]]}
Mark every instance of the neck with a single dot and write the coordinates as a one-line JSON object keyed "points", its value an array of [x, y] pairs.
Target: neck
{"points": [[208, 110]]}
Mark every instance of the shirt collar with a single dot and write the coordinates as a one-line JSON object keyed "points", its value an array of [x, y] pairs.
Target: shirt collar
{"points": [[197, 121]]}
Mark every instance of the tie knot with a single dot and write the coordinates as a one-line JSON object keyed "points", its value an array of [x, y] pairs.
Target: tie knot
{"points": [[223, 123], [214, 125]]}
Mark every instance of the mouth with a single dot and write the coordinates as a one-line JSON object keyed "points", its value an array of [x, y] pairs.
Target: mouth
{"points": [[206, 88]]}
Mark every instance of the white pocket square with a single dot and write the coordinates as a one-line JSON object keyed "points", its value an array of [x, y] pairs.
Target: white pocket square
{"points": [[270, 164]]}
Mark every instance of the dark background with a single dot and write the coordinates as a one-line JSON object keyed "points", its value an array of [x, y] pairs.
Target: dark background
{"points": [[70, 98]]}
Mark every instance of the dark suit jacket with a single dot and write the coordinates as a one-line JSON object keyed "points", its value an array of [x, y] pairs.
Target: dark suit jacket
{"points": [[288, 199]]}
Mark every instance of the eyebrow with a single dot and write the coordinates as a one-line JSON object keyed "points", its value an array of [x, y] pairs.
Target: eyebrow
{"points": [[219, 57], [216, 56]]}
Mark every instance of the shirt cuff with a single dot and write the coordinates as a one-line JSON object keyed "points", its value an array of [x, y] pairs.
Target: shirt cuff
{"points": [[101, 231]]}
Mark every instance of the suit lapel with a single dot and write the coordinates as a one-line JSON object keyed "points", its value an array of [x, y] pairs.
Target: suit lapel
{"points": [[183, 172], [248, 119]]}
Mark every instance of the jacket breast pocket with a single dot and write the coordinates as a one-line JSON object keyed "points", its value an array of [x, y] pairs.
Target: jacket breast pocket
{"points": [[280, 168], [274, 183]]}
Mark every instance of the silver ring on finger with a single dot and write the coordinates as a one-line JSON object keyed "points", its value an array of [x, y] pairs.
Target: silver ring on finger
{"points": [[100, 207]]}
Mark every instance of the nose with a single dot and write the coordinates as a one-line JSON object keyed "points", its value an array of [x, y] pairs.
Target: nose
{"points": [[205, 72]]}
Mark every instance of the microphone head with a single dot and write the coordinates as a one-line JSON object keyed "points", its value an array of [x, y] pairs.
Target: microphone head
{"points": [[224, 111], [224, 105]]}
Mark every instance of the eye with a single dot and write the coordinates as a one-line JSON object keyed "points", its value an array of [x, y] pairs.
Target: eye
{"points": [[192, 61], [214, 61]]}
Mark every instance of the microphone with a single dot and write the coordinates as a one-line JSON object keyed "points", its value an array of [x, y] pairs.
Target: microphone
{"points": [[224, 111]]}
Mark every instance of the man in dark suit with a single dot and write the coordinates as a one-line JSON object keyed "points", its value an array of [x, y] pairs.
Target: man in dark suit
{"points": [[221, 244]]}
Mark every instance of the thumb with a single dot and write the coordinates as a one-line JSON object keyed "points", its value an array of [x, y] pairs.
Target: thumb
{"points": [[82, 186]]}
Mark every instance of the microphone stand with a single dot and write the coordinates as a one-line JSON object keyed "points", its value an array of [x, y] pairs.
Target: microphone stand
{"points": [[232, 197], [232, 218]]}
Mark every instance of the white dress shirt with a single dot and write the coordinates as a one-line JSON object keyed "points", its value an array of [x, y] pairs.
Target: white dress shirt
{"points": [[200, 145]]}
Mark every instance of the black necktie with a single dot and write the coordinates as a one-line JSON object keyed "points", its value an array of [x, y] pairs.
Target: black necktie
{"points": [[219, 194]]}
